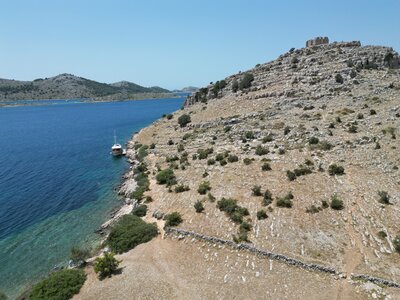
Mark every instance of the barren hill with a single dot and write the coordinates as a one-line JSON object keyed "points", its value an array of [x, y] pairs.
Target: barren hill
{"points": [[297, 161], [67, 86]]}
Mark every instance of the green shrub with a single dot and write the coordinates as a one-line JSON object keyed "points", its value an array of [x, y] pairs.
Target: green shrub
{"points": [[267, 199], [129, 232], [210, 162], [266, 167], [169, 116], [249, 135], [396, 243], [312, 209], [372, 112], [256, 190], [173, 219], [3, 296], [223, 162], [183, 120], [260, 150], [324, 145], [262, 214], [234, 211], [325, 204], [339, 78], [235, 86], [181, 188], [268, 138], [233, 158], [198, 206], [166, 176], [140, 211], [247, 161], [335, 169], [285, 201], [211, 197], [78, 255], [384, 197], [246, 81], [203, 153], [286, 130], [301, 171], [382, 234], [290, 175], [313, 140], [106, 266], [353, 129], [61, 285], [204, 187], [336, 203]]}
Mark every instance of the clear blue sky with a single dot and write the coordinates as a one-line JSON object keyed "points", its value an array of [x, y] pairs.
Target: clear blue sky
{"points": [[176, 43]]}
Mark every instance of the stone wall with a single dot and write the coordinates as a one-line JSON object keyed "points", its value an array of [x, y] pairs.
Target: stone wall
{"points": [[317, 41], [276, 256]]}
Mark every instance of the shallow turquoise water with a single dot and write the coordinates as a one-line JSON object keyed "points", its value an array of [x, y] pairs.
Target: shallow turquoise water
{"points": [[57, 179]]}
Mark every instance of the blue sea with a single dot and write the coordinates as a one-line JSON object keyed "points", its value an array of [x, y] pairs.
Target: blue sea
{"points": [[57, 179]]}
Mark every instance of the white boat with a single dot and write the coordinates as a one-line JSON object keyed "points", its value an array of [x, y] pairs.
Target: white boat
{"points": [[116, 149]]}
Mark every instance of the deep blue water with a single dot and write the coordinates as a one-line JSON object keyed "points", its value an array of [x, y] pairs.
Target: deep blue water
{"points": [[57, 179]]}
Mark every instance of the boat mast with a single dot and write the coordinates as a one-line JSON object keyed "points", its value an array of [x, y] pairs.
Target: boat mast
{"points": [[115, 138]]}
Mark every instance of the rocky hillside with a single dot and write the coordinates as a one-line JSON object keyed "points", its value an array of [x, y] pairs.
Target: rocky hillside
{"points": [[297, 161], [67, 86]]}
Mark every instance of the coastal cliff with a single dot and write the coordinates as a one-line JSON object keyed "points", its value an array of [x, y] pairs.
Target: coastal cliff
{"points": [[295, 161]]}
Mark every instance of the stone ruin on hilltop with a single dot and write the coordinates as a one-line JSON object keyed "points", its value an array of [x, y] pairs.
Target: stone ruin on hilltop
{"points": [[317, 41]]}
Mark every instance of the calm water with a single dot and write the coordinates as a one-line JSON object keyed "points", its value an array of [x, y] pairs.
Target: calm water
{"points": [[57, 179]]}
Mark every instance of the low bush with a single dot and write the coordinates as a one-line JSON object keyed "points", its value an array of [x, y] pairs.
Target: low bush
{"points": [[166, 176], [301, 171], [183, 120], [203, 153], [268, 138], [384, 197], [211, 197], [210, 162], [290, 175], [339, 78], [106, 265], [285, 201], [140, 211], [267, 198], [286, 130], [234, 211], [232, 158], [173, 219], [247, 161], [262, 214], [260, 150], [336, 202], [266, 167], [256, 190], [335, 169], [204, 187], [396, 243], [60, 285], [223, 162], [129, 232], [199, 207], [78, 255], [313, 209], [382, 234], [181, 188], [313, 140], [246, 81]]}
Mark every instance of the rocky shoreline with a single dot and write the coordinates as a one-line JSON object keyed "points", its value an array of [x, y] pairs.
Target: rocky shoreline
{"points": [[126, 187]]}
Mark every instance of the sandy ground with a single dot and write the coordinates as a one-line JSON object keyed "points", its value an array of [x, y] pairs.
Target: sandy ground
{"points": [[165, 269]]}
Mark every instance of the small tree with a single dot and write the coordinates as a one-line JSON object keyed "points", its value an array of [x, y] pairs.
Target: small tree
{"points": [[246, 81], [173, 219], [166, 176], [183, 120], [106, 266], [262, 214], [204, 187], [256, 190], [335, 169]]}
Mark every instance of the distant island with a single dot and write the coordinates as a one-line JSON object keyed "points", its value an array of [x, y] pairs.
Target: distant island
{"points": [[68, 86]]}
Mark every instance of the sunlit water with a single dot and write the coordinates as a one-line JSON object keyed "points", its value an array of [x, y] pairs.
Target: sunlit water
{"points": [[57, 179]]}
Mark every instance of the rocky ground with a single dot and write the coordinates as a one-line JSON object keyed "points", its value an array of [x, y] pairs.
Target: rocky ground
{"points": [[303, 112]]}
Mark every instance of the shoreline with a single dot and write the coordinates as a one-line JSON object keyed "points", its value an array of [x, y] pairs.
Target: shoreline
{"points": [[126, 187], [43, 102]]}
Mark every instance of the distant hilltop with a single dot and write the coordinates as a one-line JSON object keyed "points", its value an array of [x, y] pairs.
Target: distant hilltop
{"points": [[68, 86]]}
